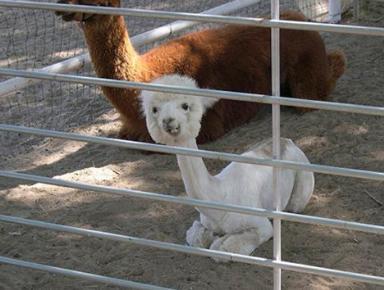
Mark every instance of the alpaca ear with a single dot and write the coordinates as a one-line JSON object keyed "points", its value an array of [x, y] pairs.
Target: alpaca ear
{"points": [[142, 111], [208, 102], [144, 98]]}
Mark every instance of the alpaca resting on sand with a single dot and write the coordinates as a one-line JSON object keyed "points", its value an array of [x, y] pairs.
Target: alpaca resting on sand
{"points": [[233, 58], [175, 120]]}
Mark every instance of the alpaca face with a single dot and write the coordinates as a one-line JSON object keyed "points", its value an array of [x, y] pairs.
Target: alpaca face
{"points": [[172, 119], [79, 16]]}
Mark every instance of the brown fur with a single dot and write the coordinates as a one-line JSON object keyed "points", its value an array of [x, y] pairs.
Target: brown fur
{"points": [[233, 58]]}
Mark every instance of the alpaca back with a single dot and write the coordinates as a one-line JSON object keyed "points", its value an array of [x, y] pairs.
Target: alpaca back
{"points": [[296, 187], [252, 183], [303, 186]]}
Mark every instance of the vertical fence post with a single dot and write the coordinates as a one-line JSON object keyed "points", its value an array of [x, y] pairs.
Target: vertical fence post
{"points": [[275, 58], [334, 11]]}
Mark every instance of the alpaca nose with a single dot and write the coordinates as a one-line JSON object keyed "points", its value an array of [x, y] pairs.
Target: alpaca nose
{"points": [[171, 126]]}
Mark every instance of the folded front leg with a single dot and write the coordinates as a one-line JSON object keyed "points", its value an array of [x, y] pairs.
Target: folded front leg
{"points": [[199, 236], [244, 242]]}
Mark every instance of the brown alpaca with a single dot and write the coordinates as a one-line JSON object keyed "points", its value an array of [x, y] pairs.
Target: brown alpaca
{"points": [[232, 58]]}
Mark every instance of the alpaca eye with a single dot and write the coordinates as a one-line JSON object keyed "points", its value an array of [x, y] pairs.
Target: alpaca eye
{"points": [[154, 110], [185, 106]]}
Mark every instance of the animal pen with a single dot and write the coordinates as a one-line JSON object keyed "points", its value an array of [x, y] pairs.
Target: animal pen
{"points": [[30, 84]]}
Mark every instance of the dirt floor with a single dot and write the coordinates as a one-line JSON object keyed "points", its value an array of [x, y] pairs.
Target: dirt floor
{"points": [[330, 138]]}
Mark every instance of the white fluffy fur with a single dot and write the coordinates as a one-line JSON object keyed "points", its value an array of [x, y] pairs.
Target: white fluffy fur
{"points": [[169, 104], [238, 183]]}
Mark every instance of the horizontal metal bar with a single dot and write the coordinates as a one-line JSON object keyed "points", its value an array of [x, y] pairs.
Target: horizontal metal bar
{"points": [[178, 26], [262, 22], [331, 106], [341, 224], [10, 86], [78, 274], [332, 273], [199, 251], [356, 173]]}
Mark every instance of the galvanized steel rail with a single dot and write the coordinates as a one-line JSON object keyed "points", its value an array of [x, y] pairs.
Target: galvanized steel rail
{"points": [[78, 274], [261, 22], [260, 98], [275, 100], [10, 86], [356, 173], [293, 217], [199, 251], [276, 151]]}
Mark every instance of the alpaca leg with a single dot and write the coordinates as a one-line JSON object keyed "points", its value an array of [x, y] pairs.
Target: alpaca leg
{"points": [[199, 236], [244, 242]]}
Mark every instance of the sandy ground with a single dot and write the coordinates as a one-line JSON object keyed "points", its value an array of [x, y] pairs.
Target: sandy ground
{"points": [[330, 138]]}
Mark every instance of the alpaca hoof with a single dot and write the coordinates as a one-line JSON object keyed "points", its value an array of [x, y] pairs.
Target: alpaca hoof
{"points": [[217, 245], [199, 236], [234, 244]]}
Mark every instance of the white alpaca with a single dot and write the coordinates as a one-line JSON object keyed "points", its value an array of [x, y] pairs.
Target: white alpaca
{"points": [[175, 120]]}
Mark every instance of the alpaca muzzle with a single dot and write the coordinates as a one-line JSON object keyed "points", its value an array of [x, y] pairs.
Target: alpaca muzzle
{"points": [[171, 126], [76, 16]]}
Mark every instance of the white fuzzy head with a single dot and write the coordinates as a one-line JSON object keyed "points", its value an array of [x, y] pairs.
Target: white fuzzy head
{"points": [[173, 119]]}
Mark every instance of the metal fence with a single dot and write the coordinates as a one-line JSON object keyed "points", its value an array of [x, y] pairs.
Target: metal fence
{"points": [[275, 100]]}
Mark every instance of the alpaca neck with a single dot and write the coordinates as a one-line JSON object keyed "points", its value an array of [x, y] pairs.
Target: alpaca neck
{"points": [[113, 56], [198, 182], [111, 50]]}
